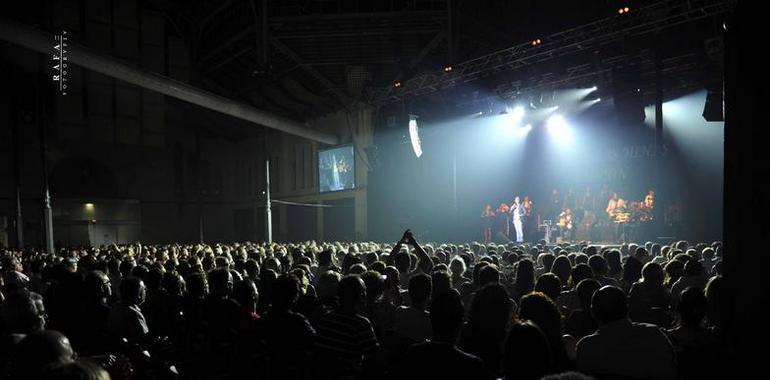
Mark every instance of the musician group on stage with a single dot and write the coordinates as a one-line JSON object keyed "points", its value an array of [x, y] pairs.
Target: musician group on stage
{"points": [[518, 223]]}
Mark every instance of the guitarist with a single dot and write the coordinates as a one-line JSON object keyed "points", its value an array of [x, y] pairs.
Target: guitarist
{"points": [[565, 222]]}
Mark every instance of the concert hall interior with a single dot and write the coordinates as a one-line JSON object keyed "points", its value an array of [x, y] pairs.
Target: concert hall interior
{"points": [[380, 189]]}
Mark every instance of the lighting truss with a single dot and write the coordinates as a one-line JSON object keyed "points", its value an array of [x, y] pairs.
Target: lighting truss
{"points": [[644, 20]]}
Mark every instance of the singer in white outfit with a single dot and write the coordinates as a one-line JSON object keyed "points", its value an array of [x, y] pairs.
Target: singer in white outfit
{"points": [[517, 211]]}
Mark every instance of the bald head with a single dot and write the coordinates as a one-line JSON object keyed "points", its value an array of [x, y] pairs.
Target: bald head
{"points": [[40, 351]]}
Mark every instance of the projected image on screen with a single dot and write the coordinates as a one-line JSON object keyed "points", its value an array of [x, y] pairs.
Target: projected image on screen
{"points": [[336, 169]]}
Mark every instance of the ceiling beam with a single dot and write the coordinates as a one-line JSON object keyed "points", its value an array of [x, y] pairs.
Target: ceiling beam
{"points": [[216, 66], [40, 41], [424, 52], [206, 20], [284, 35], [422, 15], [344, 98], [226, 44]]}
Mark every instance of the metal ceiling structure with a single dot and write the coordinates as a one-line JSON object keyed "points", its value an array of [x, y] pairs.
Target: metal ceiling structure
{"points": [[90, 59], [652, 18], [679, 74], [309, 59], [301, 60]]}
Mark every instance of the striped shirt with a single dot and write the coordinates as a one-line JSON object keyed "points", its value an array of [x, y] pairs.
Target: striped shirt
{"points": [[344, 339]]}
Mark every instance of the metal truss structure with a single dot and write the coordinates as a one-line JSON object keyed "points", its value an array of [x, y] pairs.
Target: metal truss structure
{"points": [[590, 74], [649, 19]]}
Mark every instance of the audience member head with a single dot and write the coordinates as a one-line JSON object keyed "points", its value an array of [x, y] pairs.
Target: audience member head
{"points": [[550, 285], [327, 284], [585, 290], [489, 275], [527, 352], [614, 264], [632, 270], [246, 294], [598, 264], [22, 312], [547, 260], [540, 309], [82, 369], [457, 267], [197, 285], [562, 268], [491, 311], [220, 282], [674, 271], [446, 316], [402, 262], [352, 293], [440, 282], [420, 286], [579, 273], [96, 286], [608, 304], [375, 286], [285, 291], [525, 276], [325, 258], [652, 274], [40, 351], [692, 307], [693, 268], [719, 308], [132, 290]]}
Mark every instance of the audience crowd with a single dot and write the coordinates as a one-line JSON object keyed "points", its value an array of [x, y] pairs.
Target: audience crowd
{"points": [[364, 311]]}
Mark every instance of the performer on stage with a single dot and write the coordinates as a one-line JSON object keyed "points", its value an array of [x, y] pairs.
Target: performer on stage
{"points": [[612, 205], [649, 200], [646, 215], [637, 214], [530, 223], [488, 216], [503, 220], [566, 225], [617, 211], [517, 214]]}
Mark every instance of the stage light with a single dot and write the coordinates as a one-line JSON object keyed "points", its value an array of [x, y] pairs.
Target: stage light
{"points": [[89, 206], [556, 121], [518, 113], [414, 136], [559, 129], [523, 131], [626, 9], [397, 84], [594, 88], [549, 110], [536, 42], [598, 99], [447, 68]]}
